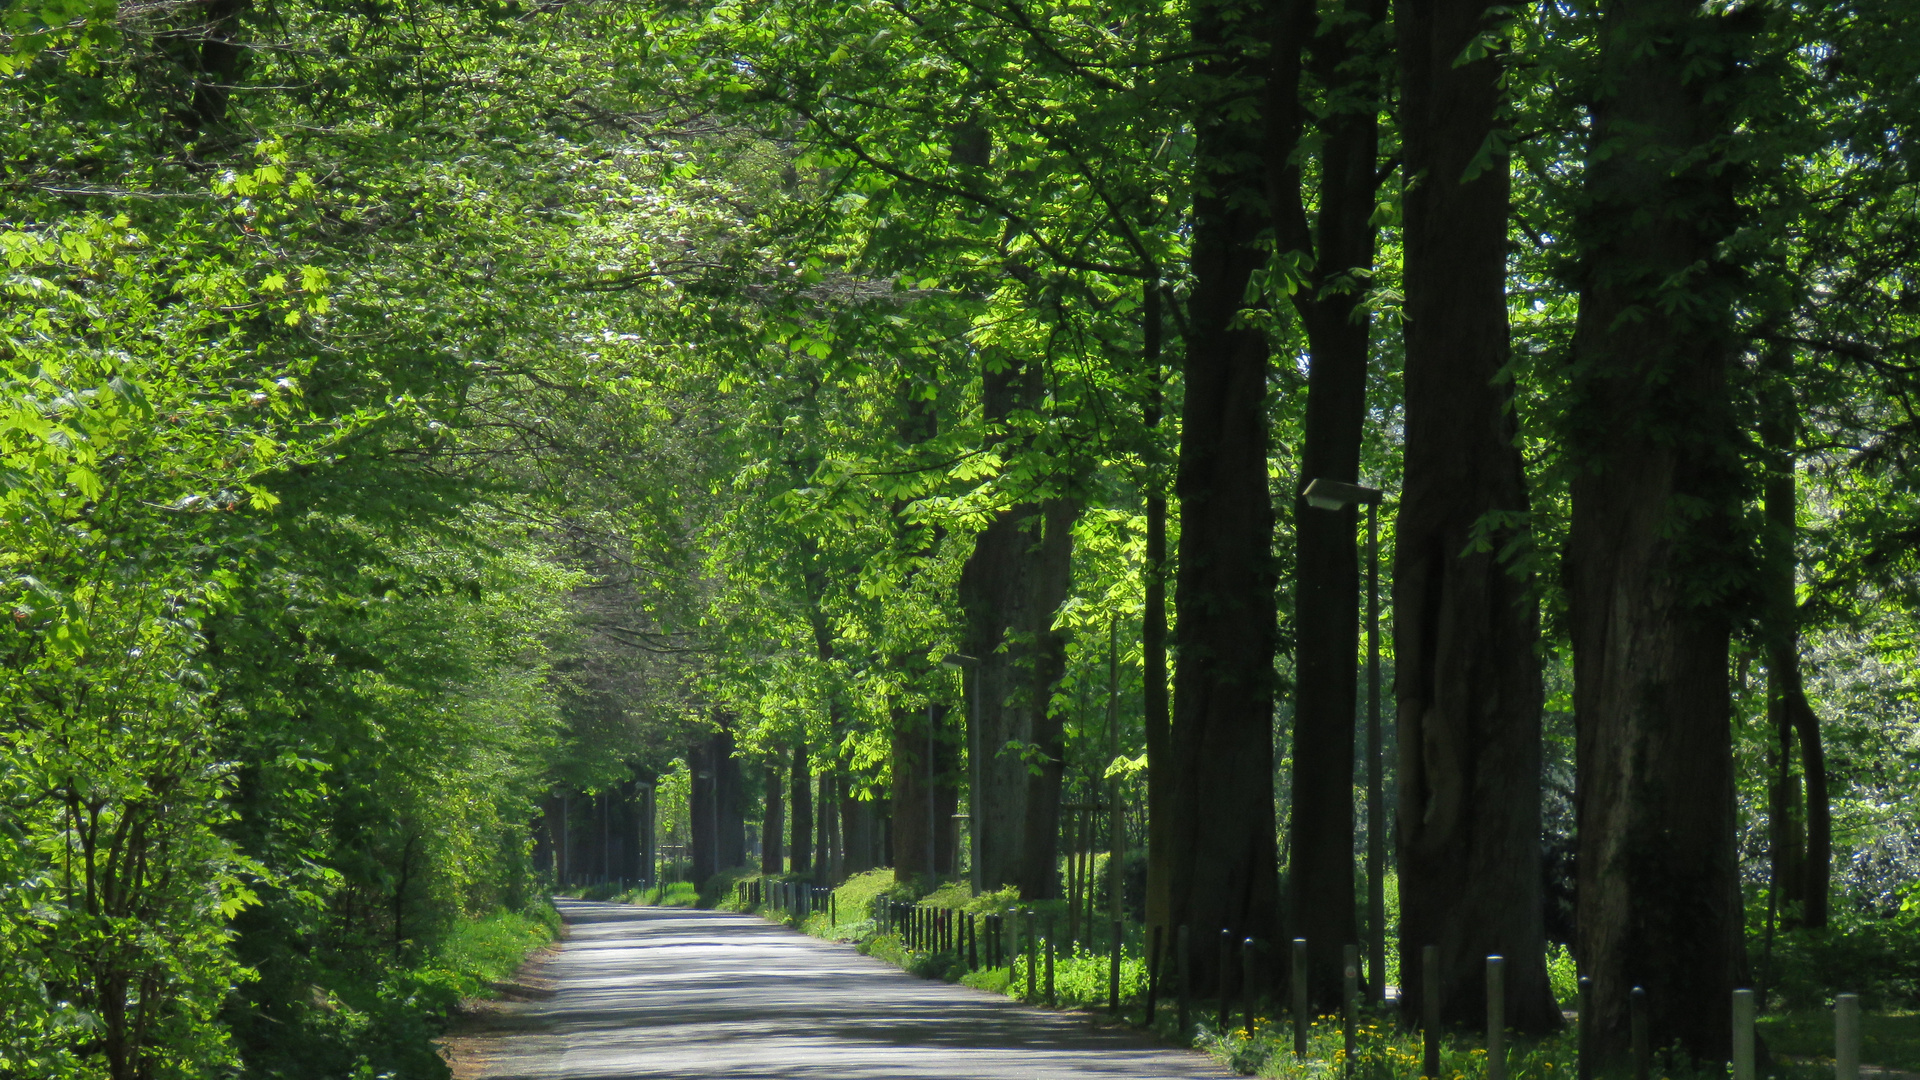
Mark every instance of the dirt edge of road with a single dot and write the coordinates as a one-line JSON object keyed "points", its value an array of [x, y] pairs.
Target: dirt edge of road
{"points": [[467, 1045]]}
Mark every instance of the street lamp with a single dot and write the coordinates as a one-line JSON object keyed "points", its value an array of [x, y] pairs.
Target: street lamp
{"points": [[963, 663], [1326, 494]]}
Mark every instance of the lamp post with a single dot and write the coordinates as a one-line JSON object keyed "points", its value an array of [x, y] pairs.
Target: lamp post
{"points": [[964, 663], [1326, 494]]}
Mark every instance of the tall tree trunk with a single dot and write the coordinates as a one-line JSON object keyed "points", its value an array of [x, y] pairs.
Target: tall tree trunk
{"points": [[800, 848], [856, 833], [915, 809], [1013, 583], [729, 816], [772, 825], [1654, 533], [947, 778], [1039, 871], [823, 866], [1802, 845], [701, 810], [1320, 871], [914, 542], [1467, 686], [1155, 706], [1221, 870]]}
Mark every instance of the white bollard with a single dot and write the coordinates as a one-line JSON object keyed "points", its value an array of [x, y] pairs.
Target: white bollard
{"points": [[1846, 1037], [1743, 1009]]}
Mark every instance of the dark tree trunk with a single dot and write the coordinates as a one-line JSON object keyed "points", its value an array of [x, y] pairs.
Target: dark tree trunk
{"points": [[1221, 868], [1800, 823], [729, 794], [217, 65], [1039, 873], [773, 825], [913, 812], [1155, 706], [1014, 582], [1654, 544], [702, 811], [856, 834], [823, 862], [1818, 881], [800, 847], [1467, 687], [1320, 871], [947, 779]]}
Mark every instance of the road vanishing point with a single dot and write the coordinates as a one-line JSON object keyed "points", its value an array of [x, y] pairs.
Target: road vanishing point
{"points": [[640, 992]]}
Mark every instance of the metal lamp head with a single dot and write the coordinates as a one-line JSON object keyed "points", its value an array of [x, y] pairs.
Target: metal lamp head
{"points": [[1324, 494]]}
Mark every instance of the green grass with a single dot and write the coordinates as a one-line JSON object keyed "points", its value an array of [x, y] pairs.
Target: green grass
{"points": [[476, 952], [676, 894], [1891, 1039]]}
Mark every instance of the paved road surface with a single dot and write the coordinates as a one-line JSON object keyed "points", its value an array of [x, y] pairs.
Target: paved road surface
{"points": [[658, 992]]}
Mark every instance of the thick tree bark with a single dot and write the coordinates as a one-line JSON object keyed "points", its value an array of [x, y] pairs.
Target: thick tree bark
{"points": [[729, 794], [1654, 538], [703, 818], [1221, 870], [772, 825], [1320, 871], [913, 813], [1800, 826], [800, 847], [856, 834], [823, 861], [1013, 583], [1467, 686], [1155, 705]]}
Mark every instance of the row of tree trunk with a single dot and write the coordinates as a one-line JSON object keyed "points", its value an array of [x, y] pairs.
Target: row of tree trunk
{"points": [[1650, 440]]}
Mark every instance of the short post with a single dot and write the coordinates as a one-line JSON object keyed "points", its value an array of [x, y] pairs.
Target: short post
{"points": [[1496, 1018], [1113, 972], [1349, 1003], [1846, 1037], [1297, 985], [1641, 1039], [1246, 985], [1181, 951], [833, 910], [1033, 958], [973, 942], [1223, 982], [1153, 975], [1743, 1013], [1050, 997], [1430, 1010], [1583, 1049]]}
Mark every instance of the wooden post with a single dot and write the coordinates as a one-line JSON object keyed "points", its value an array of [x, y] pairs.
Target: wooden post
{"points": [[1496, 1018], [1113, 972], [1033, 957], [1224, 983], [1153, 975], [1641, 1040], [1430, 1010], [1072, 845], [1297, 984], [1743, 1010], [1050, 997], [1846, 1037], [1583, 1049], [1349, 1003], [1181, 964], [1246, 985]]}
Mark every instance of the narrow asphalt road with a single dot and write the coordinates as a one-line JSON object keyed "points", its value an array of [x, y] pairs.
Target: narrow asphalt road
{"points": [[659, 992]]}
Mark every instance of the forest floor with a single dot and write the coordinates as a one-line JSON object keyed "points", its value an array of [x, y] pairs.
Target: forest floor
{"points": [[638, 992]]}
